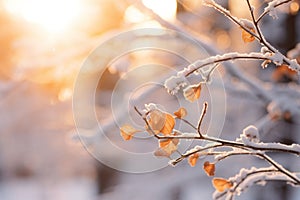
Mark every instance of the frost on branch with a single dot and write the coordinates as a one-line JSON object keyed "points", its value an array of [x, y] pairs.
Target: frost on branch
{"points": [[247, 23], [271, 9], [294, 53], [277, 58], [174, 83], [249, 177], [250, 133], [161, 124]]}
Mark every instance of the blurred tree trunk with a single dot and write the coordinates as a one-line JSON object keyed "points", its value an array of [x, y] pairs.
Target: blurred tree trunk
{"points": [[106, 178]]}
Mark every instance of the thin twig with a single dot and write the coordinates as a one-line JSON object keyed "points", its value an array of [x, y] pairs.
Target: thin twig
{"points": [[183, 156], [147, 123], [251, 82], [204, 109], [267, 11], [280, 168], [224, 59], [189, 123], [227, 14], [231, 143], [261, 38]]}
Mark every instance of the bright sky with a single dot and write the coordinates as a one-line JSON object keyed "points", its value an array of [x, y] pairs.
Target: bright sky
{"points": [[53, 15]]}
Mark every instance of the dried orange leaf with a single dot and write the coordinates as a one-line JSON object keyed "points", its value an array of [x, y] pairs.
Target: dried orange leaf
{"points": [[169, 124], [192, 93], [247, 37], [180, 113], [209, 168], [162, 122], [193, 159], [164, 143], [166, 149], [221, 184], [169, 146], [157, 120], [127, 131], [161, 153]]}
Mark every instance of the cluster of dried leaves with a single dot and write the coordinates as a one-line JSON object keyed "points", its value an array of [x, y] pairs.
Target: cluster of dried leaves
{"points": [[161, 124], [158, 123]]}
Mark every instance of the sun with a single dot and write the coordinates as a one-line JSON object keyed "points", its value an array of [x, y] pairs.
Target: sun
{"points": [[53, 15]]}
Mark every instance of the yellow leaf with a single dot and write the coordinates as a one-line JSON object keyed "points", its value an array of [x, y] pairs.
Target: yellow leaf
{"points": [[192, 93], [221, 184], [193, 159], [247, 37], [209, 168], [180, 113], [127, 131]]}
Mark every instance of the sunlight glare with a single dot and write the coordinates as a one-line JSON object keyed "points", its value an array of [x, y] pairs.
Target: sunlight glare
{"points": [[294, 8], [52, 15], [65, 94], [166, 8], [134, 15]]}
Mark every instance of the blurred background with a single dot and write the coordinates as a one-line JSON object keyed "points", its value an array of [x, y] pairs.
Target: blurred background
{"points": [[43, 44]]}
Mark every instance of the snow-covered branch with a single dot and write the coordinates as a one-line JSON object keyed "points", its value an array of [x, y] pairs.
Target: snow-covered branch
{"points": [[160, 123], [249, 27], [270, 9]]}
